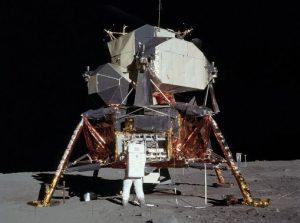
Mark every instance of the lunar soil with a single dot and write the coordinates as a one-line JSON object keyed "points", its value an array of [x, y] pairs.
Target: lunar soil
{"points": [[277, 180]]}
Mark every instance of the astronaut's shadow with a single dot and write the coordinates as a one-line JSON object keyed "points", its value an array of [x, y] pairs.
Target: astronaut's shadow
{"points": [[78, 185]]}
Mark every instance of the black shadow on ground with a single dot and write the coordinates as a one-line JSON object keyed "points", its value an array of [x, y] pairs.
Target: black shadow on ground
{"points": [[78, 185], [191, 184]]}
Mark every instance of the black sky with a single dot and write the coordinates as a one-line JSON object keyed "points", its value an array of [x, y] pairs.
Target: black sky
{"points": [[48, 44]]}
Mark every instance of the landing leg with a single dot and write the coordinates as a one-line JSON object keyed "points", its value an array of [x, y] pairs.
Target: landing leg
{"points": [[60, 170], [95, 174], [248, 200], [220, 177], [221, 180]]}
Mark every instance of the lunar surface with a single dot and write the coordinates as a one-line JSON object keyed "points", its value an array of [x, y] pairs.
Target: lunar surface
{"points": [[277, 180]]}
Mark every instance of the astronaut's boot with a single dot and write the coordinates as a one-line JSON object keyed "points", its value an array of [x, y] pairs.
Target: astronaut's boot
{"points": [[142, 202]]}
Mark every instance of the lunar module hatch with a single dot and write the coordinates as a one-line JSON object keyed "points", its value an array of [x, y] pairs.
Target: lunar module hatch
{"points": [[149, 97]]}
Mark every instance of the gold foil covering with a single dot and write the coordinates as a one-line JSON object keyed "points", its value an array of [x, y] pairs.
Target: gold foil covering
{"points": [[100, 140]]}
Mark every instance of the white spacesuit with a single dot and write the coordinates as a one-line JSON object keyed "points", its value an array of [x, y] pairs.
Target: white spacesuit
{"points": [[134, 173]]}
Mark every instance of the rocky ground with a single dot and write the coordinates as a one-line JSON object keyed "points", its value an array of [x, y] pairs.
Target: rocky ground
{"points": [[277, 180]]}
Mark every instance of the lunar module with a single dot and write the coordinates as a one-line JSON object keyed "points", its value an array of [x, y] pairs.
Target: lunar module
{"points": [[153, 105]]}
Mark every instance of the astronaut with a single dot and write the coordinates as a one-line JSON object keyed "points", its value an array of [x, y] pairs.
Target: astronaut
{"points": [[134, 173]]}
